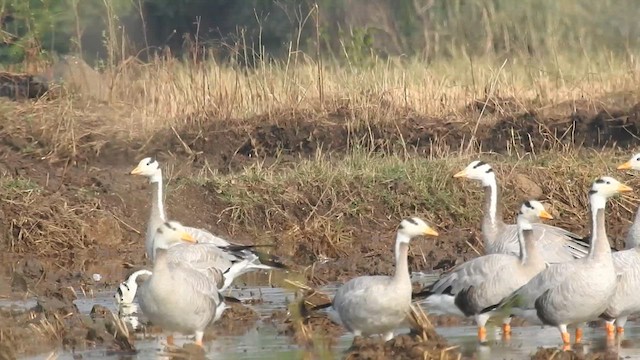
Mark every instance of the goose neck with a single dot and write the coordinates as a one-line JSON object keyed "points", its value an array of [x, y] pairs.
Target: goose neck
{"points": [[491, 200], [157, 208], [401, 254], [633, 236], [524, 238], [599, 241]]}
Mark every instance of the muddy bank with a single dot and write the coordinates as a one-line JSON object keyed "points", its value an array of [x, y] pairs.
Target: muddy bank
{"points": [[55, 321], [409, 346], [229, 144], [558, 354]]}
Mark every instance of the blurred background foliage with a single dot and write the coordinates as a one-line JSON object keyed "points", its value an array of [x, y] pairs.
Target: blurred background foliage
{"points": [[347, 30]]}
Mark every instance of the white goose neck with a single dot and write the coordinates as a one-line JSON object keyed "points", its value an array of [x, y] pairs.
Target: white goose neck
{"points": [[490, 182], [156, 178], [401, 238], [598, 202], [524, 224]]}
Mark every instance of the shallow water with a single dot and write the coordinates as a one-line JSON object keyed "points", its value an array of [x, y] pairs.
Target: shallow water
{"points": [[263, 341]]}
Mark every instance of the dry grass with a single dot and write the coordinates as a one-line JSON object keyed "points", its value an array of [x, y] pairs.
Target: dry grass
{"points": [[43, 222], [187, 96]]}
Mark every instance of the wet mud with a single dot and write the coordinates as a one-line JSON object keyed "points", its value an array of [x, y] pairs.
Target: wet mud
{"points": [[408, 346], [558, 354]]}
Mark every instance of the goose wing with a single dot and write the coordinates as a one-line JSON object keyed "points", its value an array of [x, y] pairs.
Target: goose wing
{"points": [[471, 273], [525, 297], [626, 262], [201, 257], [200, 287], [205, 237], [627, 266], [555, 244], [257, 259]]}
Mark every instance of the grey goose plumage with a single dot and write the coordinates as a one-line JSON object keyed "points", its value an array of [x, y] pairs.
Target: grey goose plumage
{"points": [[576, 291], [179, 296], [555, 244], [376, 305], [625, 301], [486, 280]]}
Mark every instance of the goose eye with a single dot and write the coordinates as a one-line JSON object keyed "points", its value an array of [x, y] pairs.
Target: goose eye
{"points": [[638, 158], [608, 182]]}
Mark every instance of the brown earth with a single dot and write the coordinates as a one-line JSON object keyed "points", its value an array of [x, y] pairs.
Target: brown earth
{"points": [[557, 354], [408, 346], [86, 213]]}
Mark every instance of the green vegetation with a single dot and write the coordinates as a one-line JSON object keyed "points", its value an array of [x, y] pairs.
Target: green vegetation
{"points": [[252, 31], [324, 201]]}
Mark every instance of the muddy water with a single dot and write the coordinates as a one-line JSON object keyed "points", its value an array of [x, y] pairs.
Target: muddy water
{"points": [[264, 342]]}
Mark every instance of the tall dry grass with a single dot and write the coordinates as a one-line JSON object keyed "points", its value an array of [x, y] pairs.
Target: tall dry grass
{"points": [[188, 95]]}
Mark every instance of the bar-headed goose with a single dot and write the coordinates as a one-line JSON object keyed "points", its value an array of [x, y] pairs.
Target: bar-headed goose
{"points": [[150, 168], [627, 264], [554, 243], [486, 280], [576, 291], [177, 296], [376, 305], [127, 289], [238, 259]]}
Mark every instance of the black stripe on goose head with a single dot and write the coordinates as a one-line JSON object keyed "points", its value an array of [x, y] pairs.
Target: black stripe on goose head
{"points": [[528, 204], [478, 164], [412, 220]]}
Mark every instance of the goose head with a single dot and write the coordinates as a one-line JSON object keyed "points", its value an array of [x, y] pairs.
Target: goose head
{"points": [[148, 167], [633, 163], [530, 212], [478, 170], [412, 227], [604, 188], [171, 233]]}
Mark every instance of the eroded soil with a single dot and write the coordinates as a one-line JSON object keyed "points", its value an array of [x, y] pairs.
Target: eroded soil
{"points": [[70, 214]]}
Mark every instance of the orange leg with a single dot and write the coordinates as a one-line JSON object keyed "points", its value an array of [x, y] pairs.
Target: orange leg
{"points": [[170, 340], [506, 329], [578, 335], [620, 330], [482, 334], [610, 330], [199, 343], [566, 340]]}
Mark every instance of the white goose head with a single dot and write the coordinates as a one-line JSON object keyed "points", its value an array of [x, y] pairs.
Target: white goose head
{"points": [[148, 167], [603, 188], [171, 233], [531, 211], [412, 227], [478, 170], [633, 163]]}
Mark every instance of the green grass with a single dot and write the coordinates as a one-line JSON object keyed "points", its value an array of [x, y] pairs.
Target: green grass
{"points": [[334, 200]]}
